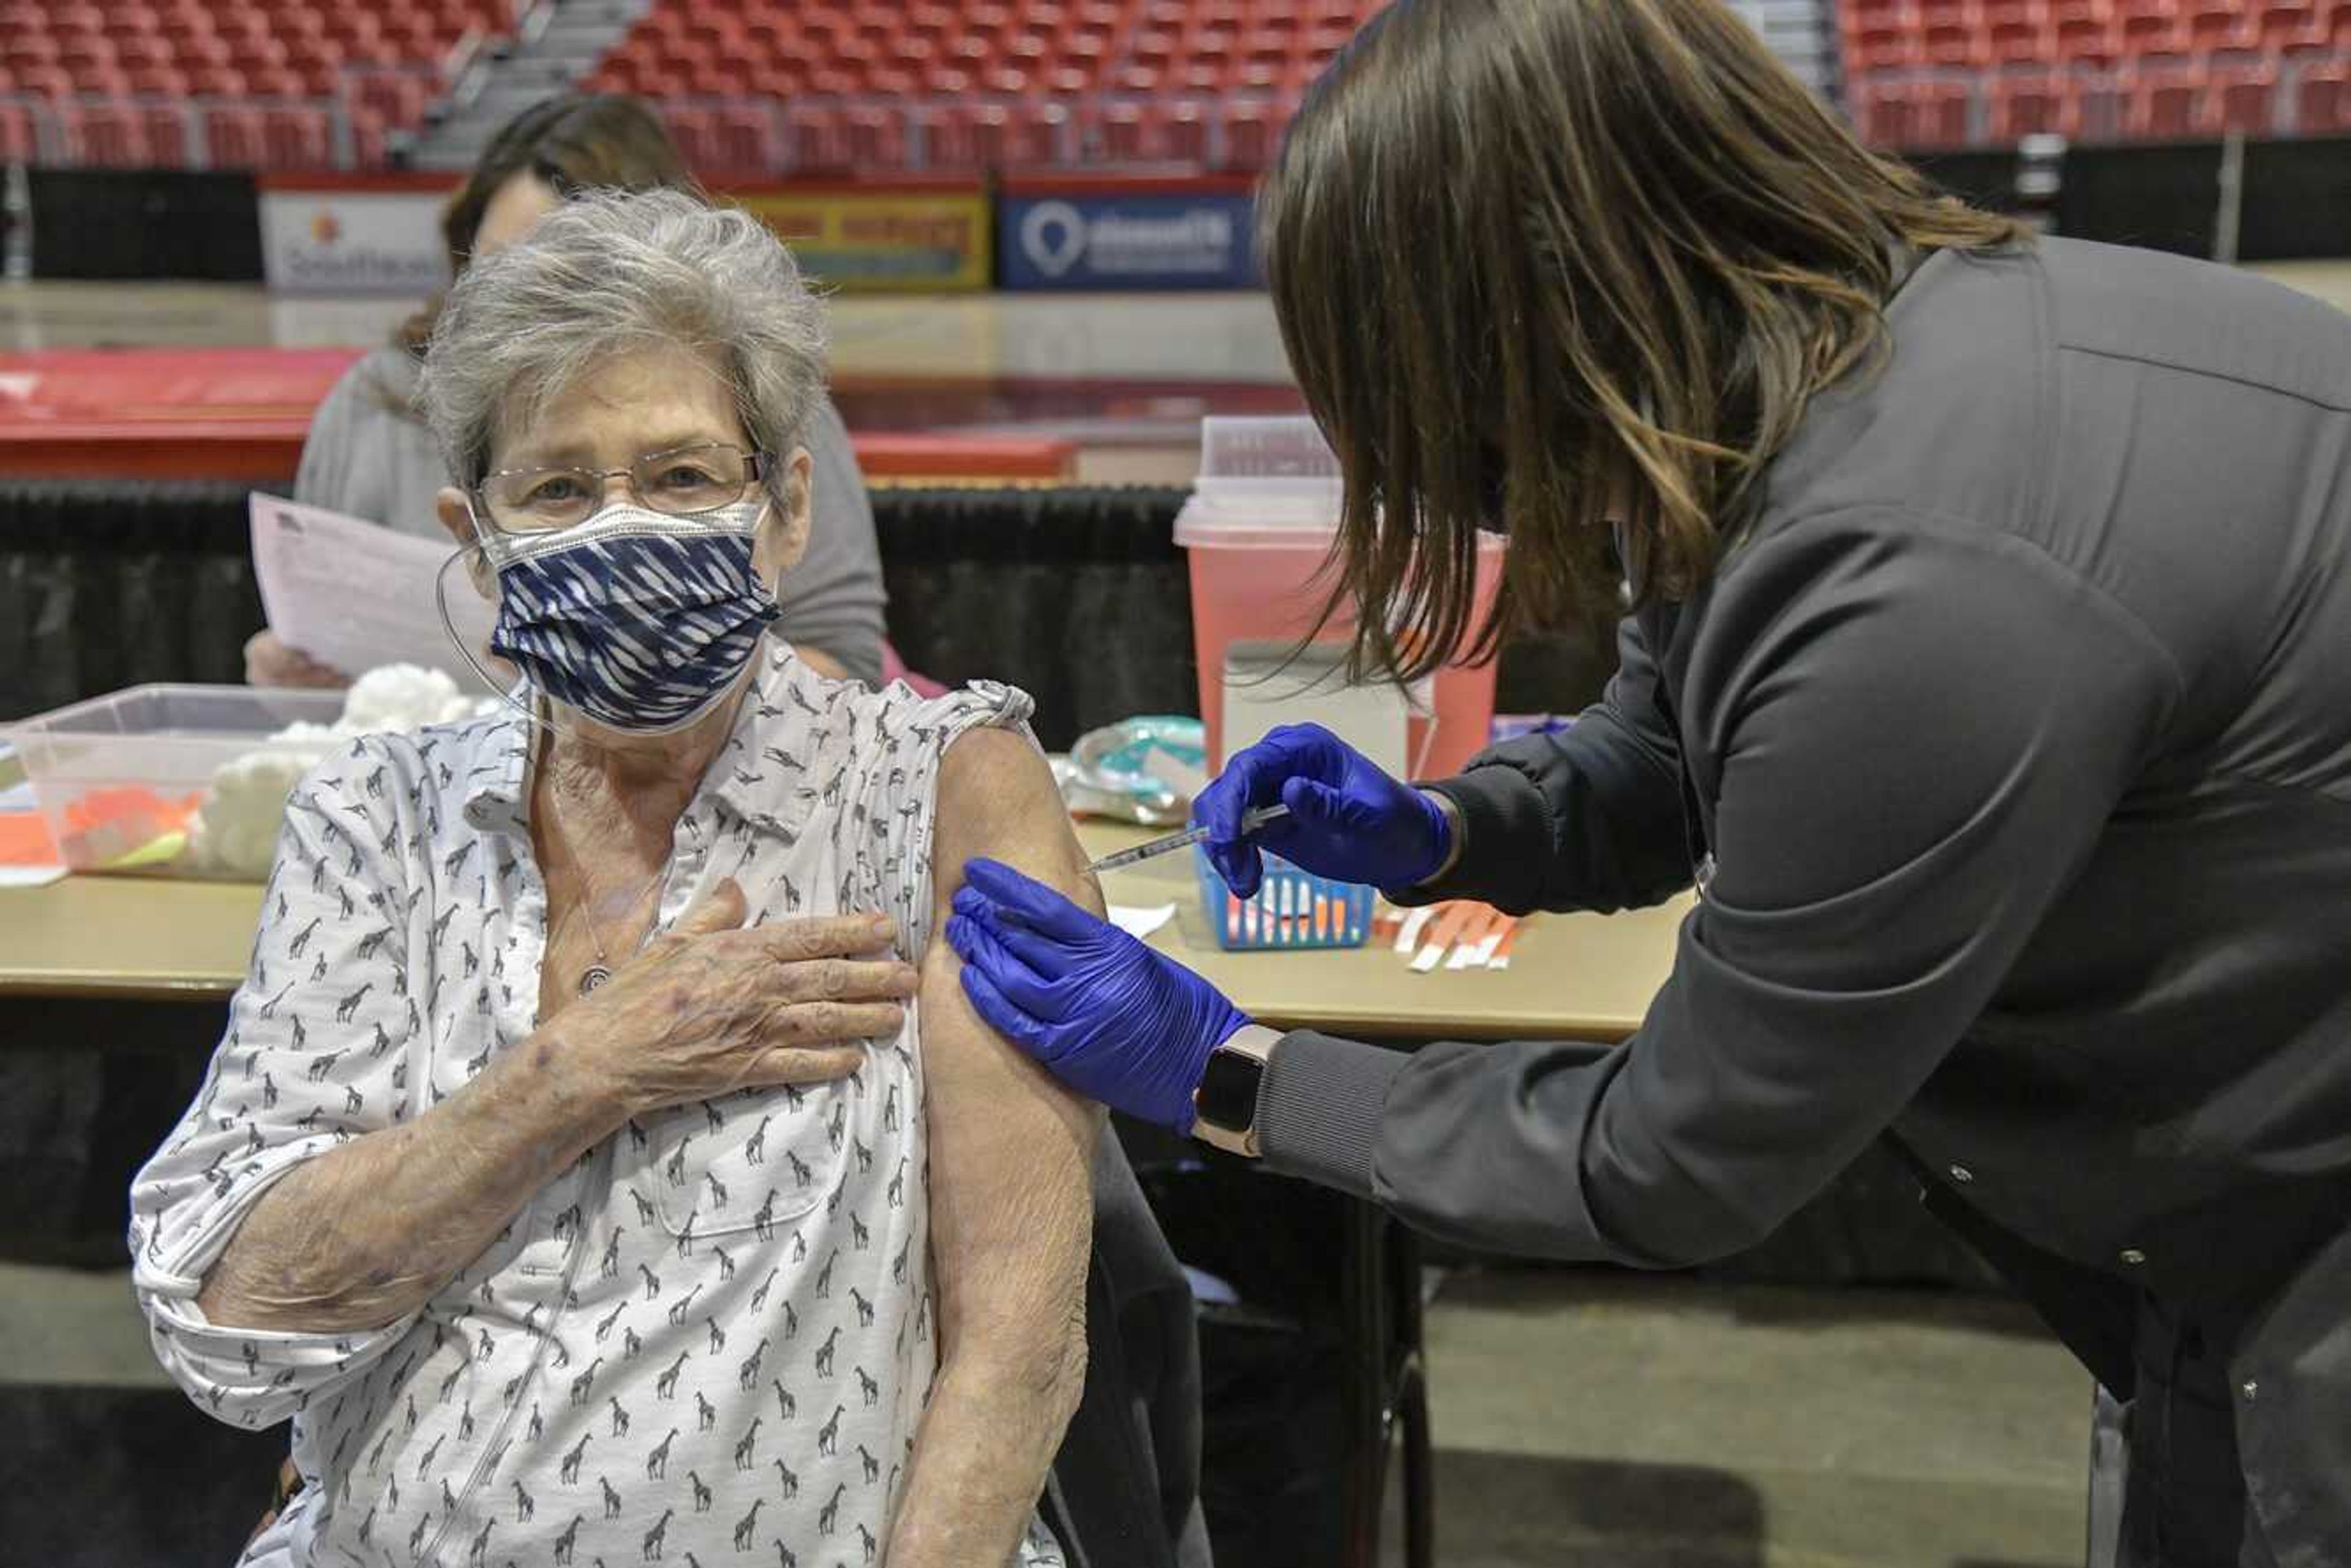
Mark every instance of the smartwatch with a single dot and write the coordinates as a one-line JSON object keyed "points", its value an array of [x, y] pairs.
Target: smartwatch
{"points": [[1224, 1107]]}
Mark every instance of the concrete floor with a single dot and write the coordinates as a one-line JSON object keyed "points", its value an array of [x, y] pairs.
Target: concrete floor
{"points": [[1585, 1418]]}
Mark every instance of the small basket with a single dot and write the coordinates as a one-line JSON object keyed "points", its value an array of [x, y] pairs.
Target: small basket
{"points": [[1293, 910]]}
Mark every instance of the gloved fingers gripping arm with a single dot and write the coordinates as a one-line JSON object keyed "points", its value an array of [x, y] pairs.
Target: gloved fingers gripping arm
{"points": [[1113, 1019]]}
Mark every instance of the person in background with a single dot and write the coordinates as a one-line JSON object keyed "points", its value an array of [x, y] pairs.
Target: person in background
{"points": [[369, 454]]}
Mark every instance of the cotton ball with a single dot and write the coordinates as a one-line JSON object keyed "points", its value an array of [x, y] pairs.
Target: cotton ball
{"points": [[237, 831], [402, 698]]}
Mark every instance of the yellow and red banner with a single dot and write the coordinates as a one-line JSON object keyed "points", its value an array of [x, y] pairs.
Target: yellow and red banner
{"points": [[925, 237]]}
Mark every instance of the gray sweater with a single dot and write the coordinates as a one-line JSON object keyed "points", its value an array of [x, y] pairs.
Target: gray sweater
{"points": [[2010, 752], [368, 456]]}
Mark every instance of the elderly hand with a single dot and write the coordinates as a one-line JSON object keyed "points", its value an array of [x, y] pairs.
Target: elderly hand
{"points": [[268, 662], [708, 1008], [1347, 818], [1105, 1014]]}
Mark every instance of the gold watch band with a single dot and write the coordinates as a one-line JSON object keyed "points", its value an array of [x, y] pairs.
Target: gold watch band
{"points": [[1255, 1041]]}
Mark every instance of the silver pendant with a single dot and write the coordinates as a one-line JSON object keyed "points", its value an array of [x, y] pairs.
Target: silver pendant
{"points": [[595, 976]]}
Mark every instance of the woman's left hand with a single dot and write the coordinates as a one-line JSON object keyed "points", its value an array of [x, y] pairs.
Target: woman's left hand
{"points": [[1114, 1020]]}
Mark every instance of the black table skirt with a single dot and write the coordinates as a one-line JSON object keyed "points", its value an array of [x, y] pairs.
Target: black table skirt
{"points": [[1080, 596]]}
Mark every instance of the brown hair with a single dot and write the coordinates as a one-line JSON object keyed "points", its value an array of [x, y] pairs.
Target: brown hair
{"points": [[1548, 263], [604, 141]]}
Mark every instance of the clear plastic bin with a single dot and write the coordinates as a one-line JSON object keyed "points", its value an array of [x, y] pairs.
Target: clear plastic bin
{"points": [[120, 778], [1259, 529]]}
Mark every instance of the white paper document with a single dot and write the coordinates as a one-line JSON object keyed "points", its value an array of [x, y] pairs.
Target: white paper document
{"points": [[1141, 920], [357, 596]]}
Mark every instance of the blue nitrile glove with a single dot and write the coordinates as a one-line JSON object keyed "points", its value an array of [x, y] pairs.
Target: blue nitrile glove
{"points": [[1105, 1014], [1347, 818]]}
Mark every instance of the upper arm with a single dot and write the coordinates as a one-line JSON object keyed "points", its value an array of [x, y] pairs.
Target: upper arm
{"points": [[1012, 1151]]}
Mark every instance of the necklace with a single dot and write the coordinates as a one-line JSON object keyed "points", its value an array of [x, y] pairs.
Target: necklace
{"points": [[597, 973]]}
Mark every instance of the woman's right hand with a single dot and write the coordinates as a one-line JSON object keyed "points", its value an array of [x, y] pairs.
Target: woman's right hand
{"points": [[709, 1007], [1347, 818], [268, 662]]}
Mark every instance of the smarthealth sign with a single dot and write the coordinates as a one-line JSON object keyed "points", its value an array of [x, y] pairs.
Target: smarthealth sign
{"points": [[355, 236], [1159, 236]]}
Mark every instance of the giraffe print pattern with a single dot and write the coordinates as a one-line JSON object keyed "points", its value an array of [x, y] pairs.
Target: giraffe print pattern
{"points": [[712, 1339]]}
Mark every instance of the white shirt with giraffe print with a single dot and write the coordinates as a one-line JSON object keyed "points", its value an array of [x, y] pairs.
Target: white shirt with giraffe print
{"points": [[708, 1342]]}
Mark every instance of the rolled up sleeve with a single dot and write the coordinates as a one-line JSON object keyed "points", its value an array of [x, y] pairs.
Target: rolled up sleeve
{"points": [[1921, 736], [317, 1053]]}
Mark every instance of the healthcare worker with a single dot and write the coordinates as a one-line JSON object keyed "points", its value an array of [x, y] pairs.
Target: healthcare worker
{"points": [[1988, 674]]}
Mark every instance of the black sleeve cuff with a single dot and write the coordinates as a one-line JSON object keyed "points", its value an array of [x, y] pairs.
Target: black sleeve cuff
{"points": [[1318, 1112], [1505, 833]]}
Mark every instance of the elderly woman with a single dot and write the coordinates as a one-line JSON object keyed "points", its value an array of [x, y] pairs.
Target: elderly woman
{"points": [[601, 1162]]}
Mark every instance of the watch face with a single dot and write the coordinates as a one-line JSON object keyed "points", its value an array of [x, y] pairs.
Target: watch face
{"points": [[1229, 1091]]}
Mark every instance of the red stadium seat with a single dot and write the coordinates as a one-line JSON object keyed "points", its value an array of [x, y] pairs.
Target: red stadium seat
{"points": [[2032, 106], [277, 81], [216, 81], [2017, 43], [297, 137], [1884, 46], [370, 143], [1999, 14], [45, 82], [828, 138], [1949, 43], [2086, 41], [2217, 28], [233, 139], [1881, 113], [1131, 132], [159, 82], [1252, 132], [17, 142], [2153, 33], [143, 51], [2241, 98], [2162, 105], [695, 129], [167, 133], [104, 135], [1941, 113], [2322, 99], [746, 140], [985, 136]]}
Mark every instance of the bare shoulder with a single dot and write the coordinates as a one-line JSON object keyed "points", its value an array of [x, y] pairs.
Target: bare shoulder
{"points": [[998, 799], [996, 774]]}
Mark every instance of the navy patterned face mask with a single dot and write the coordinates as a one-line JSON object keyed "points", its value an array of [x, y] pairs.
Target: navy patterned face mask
{"points": [[637, 620]]}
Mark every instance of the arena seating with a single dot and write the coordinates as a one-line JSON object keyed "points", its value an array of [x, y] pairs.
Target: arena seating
{"points": [[1953, 73], [771, 85], [224, 83]]}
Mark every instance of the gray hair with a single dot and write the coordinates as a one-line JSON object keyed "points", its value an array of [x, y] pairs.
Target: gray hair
{"points": [[607, 273]]}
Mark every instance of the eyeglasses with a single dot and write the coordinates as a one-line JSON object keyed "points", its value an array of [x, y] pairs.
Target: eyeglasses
{"points": [[681, 482]]}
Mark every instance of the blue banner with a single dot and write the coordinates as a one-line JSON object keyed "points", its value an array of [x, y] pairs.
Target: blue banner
{"points": [[1127, 242]]}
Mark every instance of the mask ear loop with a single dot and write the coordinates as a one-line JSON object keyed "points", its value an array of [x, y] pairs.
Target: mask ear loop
{"points": [[530, 711]]}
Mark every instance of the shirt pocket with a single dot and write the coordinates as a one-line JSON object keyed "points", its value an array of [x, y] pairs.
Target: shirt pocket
{"points": [[752, 1161]]}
